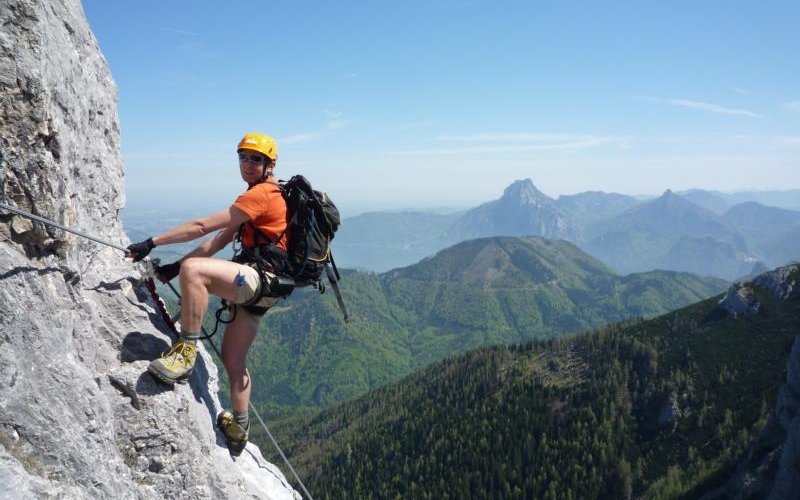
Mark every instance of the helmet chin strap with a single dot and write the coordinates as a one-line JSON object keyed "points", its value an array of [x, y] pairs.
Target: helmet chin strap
{"points": [[264, 176], [268, 169]]}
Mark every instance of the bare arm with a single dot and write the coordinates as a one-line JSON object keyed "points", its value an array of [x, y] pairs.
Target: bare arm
{"points": [[233, 218], [194, 229], [227, 220]]}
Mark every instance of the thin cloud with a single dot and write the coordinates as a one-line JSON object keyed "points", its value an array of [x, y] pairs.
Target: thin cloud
{"points": [[740, 90], [335, 123], [339, 124], [781, 140], [336, 118], [792, 106], [196, 50], [411, 126], [707, 106], [514, 137], [576, 143], [332, 113], [550, 139], [176, 31], [304, 137]]}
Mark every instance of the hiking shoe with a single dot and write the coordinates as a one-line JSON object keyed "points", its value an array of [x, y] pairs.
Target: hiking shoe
{"points": [[176, 364], [235, 434]]}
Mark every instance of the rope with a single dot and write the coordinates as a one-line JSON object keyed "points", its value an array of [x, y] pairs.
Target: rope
{"points": [[277, 447], [151, 287]]}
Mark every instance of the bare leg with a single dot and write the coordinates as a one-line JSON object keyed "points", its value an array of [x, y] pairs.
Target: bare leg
{"points": [[199, 277], [238, 337]]}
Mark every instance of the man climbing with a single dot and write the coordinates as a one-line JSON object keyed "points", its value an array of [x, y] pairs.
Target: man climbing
{"points": [[260, 212]]}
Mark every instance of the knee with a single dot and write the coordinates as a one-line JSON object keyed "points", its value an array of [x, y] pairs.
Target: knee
{"points": [[191, 269]]}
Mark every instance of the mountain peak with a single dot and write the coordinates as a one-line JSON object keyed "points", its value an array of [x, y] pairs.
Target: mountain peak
{"points": [[670, 200], [523, 192], [522, 210]]}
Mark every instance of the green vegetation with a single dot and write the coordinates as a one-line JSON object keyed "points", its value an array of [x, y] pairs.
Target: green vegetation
{"points": [[491, 291], [661, 408]]}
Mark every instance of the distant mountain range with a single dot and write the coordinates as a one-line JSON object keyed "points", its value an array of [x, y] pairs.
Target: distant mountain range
{"points": [[720, 202], [498, 290], [686, 405], [523, 210], [595, 206], [699, 231], [671, 233]]}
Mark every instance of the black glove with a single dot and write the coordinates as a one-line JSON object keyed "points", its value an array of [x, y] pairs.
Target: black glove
{"points": [[166, 272], [139, 251]]}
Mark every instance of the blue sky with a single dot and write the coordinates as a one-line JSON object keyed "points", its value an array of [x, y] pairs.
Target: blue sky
{"points": [[443, 103]]}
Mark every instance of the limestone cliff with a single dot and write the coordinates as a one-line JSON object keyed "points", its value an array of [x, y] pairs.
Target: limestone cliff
{"points": [[79, 417]]}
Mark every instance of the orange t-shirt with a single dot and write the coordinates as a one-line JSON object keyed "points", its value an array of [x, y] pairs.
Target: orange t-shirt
{"points": [[265, 206]]}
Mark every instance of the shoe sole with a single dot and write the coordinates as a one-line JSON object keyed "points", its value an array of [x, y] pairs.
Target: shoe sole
{"points": [[236, 448], [167, 379]]}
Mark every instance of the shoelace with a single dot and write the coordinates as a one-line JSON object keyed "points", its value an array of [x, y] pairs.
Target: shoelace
{"points": [[185, 350]]}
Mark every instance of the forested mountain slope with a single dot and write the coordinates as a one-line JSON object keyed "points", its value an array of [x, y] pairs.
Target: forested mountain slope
{"points": [[660, 408]]}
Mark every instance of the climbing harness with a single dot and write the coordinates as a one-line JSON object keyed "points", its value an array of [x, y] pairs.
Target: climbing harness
{"points": [[147, 268]]}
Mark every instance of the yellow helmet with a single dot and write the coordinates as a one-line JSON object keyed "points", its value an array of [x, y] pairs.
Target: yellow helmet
{"points": [[264, 144]]}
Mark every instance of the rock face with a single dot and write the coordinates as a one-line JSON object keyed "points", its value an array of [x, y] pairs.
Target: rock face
{"points": [[780, 282], [739, 300], [741, 297], [79, 417]]}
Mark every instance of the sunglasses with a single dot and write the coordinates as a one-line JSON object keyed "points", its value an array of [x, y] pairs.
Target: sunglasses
{"points": [[252, 158]]}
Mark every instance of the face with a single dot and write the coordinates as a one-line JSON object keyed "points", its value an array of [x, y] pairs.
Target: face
{"points": [[252, 171]]}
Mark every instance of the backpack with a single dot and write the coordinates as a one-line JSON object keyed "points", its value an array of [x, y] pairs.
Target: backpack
{"points": [[312, 223]]}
